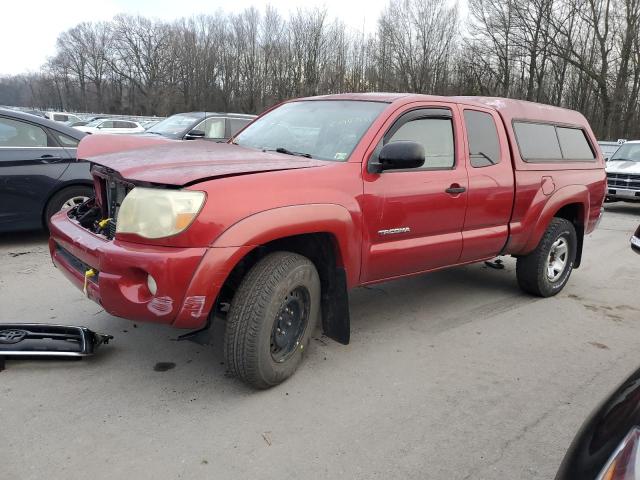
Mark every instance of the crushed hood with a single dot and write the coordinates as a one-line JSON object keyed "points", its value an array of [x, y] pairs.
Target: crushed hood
{"points": [[179, 162], [623, 166]]}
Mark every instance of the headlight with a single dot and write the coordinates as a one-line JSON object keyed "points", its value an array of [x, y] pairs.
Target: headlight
{"points": [[625, 462], [157, 213]]}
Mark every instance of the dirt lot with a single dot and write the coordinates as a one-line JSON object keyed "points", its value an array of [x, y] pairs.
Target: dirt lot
{"points": [[451, 375]]}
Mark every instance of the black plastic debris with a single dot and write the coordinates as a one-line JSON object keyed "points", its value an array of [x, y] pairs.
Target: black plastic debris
{"points": [[43, 340]]}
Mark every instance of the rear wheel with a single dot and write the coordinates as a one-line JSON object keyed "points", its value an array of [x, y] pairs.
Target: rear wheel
{"points": [[545, 271], [271, 319], [67, 198]]}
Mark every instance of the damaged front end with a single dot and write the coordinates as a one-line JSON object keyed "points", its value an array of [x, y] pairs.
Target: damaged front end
{"points": [[37, 339]]}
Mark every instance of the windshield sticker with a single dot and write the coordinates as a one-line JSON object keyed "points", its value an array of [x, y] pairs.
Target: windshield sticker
{"points": [[340, 156]]}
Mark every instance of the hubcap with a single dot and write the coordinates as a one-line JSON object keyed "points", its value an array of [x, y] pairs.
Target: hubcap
{"points": [[73, 201], [290, 324], [557, 259]]}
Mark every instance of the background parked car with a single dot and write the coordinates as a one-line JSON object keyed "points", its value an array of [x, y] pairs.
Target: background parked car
{"points": [[111, 125], [209, 125], [623, 173], [39, 173], [61, 116], [78, 123], [609, 148]]}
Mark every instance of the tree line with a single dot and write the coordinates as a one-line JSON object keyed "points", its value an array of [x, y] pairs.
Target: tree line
{"points": [[579, 54]]}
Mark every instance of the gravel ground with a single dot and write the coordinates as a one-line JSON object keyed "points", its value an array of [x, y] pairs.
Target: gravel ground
{"points": [[454, 375]]}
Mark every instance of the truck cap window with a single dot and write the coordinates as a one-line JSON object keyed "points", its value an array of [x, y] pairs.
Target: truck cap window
{"points": [[574, 144], [541, 142], [484, 146], [324, 129]]}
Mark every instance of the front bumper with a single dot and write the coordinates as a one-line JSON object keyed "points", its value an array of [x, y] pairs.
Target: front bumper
{"points": [[617, 193], [188, 279]]}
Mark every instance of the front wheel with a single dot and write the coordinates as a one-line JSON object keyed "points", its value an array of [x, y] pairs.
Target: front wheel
{"points": [[66, 198], [545, 271], [271, 319]]}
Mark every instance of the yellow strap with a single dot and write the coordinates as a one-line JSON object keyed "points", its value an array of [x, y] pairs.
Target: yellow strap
{"points": [[103, 223], [87, 275]]}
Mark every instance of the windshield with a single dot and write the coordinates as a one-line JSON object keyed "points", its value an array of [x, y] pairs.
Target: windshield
{"points": [[324, 129], [175, 124], [629, 152], [94, 123]]}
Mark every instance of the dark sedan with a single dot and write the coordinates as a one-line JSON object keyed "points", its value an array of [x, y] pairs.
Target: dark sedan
{"points": [[208, 125], [39, 173]]}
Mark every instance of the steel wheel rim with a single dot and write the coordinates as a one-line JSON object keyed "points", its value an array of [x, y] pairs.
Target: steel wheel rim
{"points": [[290, 324], [73, 202], [557, 259]]}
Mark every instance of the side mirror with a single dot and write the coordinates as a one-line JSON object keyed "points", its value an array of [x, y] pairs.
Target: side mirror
{"points": [[398, 156], [606, 159], [193, 134]]}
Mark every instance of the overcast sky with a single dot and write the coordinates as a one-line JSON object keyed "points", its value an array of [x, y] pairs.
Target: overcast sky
{"points": [[29, 29]]}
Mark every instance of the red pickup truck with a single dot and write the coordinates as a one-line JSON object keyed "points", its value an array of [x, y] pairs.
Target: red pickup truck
{"points": [[320, 195]]}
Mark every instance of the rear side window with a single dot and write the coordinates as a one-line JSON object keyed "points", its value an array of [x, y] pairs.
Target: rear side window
{"points": [[540, 142], [65, 140], [574, 144], [14, 133], [484, 146]]}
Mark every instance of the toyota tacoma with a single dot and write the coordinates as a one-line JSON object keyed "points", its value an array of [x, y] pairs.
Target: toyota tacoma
{"points": [[320, 195]]}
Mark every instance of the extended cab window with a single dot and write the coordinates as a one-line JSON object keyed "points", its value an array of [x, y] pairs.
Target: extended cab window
{"points": [[433, 131], [482, 136]]}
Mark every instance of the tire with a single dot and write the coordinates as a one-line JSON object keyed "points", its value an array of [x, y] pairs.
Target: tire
{"points": [[256, 350], [535, 273], [57, 202]]}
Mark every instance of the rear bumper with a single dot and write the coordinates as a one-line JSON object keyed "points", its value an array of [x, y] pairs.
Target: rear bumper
{"points": [[188, 279]]}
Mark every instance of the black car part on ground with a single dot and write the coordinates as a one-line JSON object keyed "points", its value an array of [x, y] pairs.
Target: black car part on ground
{"points": [[635, 241], [38, 339], [602, 434]]}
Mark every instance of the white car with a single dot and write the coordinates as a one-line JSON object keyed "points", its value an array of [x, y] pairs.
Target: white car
{"points": [[623, 173], [62, 117], [111, 125]]}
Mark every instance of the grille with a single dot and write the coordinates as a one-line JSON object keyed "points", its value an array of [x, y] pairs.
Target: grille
{"points": [[623, 180], [116, 191]]}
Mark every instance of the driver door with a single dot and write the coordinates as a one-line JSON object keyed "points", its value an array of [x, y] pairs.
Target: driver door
{"points": [[414, 217]]}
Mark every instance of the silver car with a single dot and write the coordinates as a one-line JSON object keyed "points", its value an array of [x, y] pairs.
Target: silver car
{"points": [[623, 173]]}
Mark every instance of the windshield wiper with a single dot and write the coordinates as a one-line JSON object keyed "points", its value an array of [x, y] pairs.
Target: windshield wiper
{"points": [[287, 152]]}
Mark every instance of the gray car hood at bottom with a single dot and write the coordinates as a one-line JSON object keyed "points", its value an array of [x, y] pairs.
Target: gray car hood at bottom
{"points": [[172, 162]]}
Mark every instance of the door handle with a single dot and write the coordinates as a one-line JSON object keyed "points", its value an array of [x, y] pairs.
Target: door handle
{"points": [[50, 158], [455, 189]]}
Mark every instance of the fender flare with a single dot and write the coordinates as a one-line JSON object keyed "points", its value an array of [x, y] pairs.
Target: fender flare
{"points": [[268, 225], [560, 198]]}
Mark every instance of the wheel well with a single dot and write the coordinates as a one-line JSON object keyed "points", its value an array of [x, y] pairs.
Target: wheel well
{"points": [[322, 249], [574, 212], [55, 192]]}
